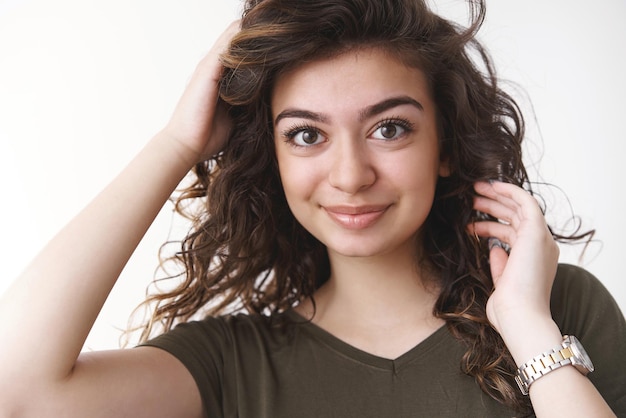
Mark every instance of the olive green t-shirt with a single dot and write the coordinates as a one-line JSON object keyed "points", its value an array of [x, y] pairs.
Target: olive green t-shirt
{"points": [[247, 366]]}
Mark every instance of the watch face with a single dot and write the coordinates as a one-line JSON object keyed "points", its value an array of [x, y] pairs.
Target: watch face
{"points": [[580, 355]]}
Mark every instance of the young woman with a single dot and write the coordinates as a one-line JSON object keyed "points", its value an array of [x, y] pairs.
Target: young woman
{"points": [[361, 195]]}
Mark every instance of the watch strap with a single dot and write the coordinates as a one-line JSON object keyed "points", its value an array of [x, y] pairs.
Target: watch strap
{"points": [[543, 364]]}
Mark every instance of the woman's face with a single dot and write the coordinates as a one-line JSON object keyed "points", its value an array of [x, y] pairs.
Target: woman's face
{"points": [[357, 149]]}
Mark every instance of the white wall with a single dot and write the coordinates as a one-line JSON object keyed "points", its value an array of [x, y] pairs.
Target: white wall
{"points": [[85, 83]]}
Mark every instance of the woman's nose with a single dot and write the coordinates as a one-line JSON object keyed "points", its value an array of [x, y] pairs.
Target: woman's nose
{"points": [[352, 169]]}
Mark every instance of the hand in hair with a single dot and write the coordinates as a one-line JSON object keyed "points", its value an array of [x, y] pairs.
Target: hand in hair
{"points": [[522, 278], [200, 121], [72, 284], [519, 307]]}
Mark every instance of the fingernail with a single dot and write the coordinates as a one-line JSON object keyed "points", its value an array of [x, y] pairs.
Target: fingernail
{"points": [[493, 242]]}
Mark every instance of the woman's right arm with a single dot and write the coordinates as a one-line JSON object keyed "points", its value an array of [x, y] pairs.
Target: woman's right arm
{"points": [[46, 314]]}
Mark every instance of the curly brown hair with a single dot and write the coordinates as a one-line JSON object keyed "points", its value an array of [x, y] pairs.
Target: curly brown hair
{"points": [[246, 250]]}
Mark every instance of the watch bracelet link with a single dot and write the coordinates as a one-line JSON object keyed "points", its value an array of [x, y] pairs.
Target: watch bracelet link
{"points": [[543, 364]]}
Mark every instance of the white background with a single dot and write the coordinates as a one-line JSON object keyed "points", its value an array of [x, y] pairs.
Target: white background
{"points": [[84, 84]]}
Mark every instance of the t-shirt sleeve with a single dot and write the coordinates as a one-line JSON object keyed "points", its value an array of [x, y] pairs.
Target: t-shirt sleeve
{"points": [[200, 346], [583, 307]]}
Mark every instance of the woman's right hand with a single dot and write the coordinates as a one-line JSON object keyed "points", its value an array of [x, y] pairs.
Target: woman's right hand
{"points": [[200, 123]]}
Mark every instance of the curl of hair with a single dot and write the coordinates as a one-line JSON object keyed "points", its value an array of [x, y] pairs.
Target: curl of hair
{"points": [[246, 249]]}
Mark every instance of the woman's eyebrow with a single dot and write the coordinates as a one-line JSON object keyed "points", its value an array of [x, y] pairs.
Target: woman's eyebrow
{"points": [[301, 114], [364, 114], [387, 104]]}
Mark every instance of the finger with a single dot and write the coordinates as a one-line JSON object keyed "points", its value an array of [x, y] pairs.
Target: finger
{"points": [[527, 207], [497, 210], [489, 191], [511, 195], [498, 258], [507, 194], [210, 65], [487, 229], [229, 33], [192, 117], [498, 206]]}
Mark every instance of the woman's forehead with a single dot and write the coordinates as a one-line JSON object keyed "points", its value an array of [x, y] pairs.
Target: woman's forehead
{"points": [[356, 73]]}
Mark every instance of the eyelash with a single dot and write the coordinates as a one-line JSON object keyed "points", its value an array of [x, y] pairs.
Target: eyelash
{"points": [[290, 133], [405, 124], [294, 130]]}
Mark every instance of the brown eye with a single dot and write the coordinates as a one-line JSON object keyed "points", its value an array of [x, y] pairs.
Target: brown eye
{"points": [[392, 129], [388, 131], [305, 136], [309, 137]]}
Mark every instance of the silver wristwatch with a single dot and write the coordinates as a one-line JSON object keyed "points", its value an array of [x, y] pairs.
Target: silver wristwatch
{"points": [[570, 352]]}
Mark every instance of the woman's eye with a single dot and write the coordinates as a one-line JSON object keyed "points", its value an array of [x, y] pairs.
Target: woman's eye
{"points": [[389, 131], [305, 137]]}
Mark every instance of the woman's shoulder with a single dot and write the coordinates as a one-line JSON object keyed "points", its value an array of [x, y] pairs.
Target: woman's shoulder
{"points": [[574, 280], [221, 333], [578, 299], [583, 307]]}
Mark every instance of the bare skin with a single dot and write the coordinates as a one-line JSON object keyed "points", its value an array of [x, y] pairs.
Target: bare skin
{"points": [[44, 373], [376, 298], [519, 308], [363, 194], [57, 298]]}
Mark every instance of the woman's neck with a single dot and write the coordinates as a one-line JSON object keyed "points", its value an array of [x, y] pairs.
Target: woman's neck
{"points": [[382, 305]]}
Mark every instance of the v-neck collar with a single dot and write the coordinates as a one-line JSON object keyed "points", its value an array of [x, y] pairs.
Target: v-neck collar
{"points": [[439, 336]]}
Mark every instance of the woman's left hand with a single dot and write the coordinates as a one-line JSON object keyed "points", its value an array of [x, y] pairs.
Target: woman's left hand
{"points": [[523, 277]]}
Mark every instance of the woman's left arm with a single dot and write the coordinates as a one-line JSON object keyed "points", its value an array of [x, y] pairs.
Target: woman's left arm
{"points": [[519, 307]]}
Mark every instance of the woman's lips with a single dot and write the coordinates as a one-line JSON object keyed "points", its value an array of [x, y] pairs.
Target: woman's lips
{"points": [[355, 217]]}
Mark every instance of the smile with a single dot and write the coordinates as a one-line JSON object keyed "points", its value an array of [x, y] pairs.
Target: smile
{"points": [[355, 217]]}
